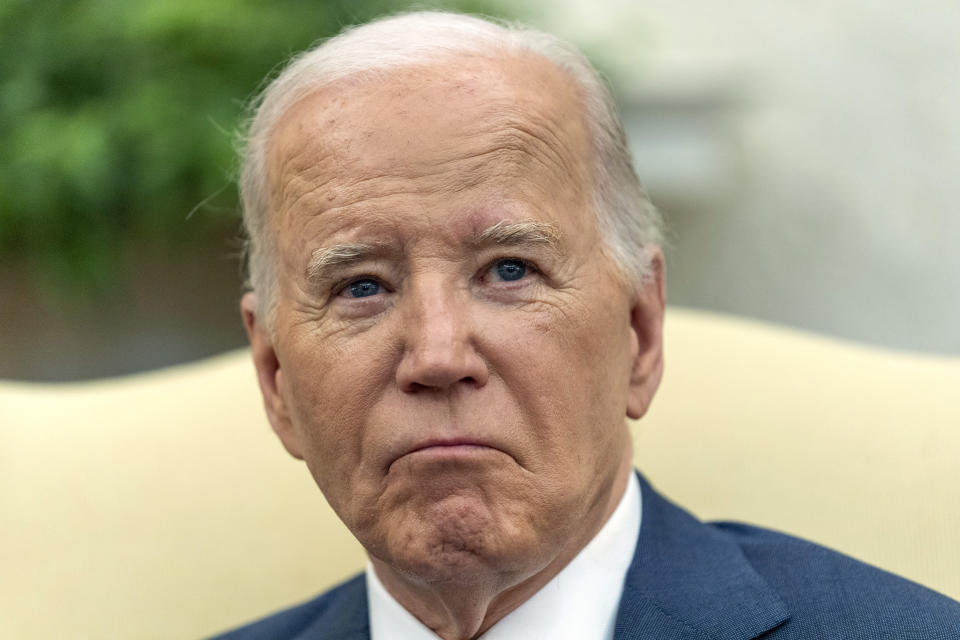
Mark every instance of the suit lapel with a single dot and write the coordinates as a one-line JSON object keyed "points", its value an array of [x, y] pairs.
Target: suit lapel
{"points": [[689, 581]]}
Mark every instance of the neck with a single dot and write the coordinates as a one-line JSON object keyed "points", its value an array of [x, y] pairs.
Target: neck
{"points": [[468, 605]]}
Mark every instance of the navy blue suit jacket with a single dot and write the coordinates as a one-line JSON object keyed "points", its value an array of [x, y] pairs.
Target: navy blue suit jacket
{"points": [[696, 581]]}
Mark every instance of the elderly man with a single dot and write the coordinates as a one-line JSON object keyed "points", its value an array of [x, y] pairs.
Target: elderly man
{"points": [[457, 299]]}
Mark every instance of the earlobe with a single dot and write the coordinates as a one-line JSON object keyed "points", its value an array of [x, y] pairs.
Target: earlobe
{"points": [[646, 337], [270, 377]]}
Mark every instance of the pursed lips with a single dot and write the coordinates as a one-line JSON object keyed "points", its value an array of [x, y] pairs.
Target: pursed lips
{"points": [[444, 447]]}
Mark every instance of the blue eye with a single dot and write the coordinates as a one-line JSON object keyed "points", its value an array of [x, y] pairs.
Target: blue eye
{"points": [[364, 288], [511, 269]]}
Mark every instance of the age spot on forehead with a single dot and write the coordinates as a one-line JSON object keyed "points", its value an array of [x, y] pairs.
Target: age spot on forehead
{"points": [[528, 106]]}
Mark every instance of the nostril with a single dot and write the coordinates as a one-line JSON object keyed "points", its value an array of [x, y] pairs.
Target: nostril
{"points": [[420, 387]]}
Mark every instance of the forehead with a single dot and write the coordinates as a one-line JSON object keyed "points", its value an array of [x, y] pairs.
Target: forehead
{"points": [[513, 125]]}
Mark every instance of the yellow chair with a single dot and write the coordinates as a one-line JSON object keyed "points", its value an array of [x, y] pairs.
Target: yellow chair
{"points": [[162, 506]]}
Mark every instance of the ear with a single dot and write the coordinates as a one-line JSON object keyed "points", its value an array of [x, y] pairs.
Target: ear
{"points": [[270, 377], [646, 337]]}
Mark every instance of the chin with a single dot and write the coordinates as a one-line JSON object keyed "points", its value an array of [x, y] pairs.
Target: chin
{"points": [[460, 539]]}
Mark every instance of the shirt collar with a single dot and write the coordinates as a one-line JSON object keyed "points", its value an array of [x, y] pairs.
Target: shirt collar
{"points": [[587, 591]]}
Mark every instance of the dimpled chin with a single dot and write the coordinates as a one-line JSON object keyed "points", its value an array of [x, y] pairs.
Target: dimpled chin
{"points": [[459, 535], [485, 518]]}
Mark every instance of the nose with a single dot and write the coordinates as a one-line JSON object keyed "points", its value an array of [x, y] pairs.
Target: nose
{"points": [[440, 351]]}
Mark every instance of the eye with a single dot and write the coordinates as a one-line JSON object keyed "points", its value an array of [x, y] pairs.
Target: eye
{"points": [[509, 269], [363, 288]]}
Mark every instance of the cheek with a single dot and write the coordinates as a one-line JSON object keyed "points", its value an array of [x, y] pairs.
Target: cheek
{"points": [[336, 385], [568, 373]]}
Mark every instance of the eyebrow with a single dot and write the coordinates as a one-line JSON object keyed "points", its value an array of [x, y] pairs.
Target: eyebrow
{"points": [[524, 232], [508, 234], [325, 259]]}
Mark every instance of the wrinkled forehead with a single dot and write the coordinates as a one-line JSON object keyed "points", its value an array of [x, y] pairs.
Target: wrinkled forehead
{"points": [[449, 125]]}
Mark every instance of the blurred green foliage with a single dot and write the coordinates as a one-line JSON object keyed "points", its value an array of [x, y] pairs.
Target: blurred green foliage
{"points": [[118, 121]]}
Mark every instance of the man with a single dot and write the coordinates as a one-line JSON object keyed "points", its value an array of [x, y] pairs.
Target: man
{"points": [[457, 299]]}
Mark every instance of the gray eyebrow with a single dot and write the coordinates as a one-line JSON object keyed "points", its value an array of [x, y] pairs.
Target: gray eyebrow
{"points": [[520, 233], [503, 233], [324, 259]]}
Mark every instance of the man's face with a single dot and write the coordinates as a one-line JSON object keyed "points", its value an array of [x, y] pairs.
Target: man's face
{"points": [[453, 354]]}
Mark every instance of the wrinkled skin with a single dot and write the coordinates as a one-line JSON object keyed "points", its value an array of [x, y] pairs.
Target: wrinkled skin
{"points": [[459, 400]]}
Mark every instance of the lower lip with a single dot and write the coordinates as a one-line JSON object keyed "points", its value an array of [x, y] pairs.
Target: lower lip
{"points": [[452, 451]]}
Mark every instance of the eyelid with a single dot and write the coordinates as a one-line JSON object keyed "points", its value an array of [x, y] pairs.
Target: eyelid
{"points": [[339, 285], [336, 275]]}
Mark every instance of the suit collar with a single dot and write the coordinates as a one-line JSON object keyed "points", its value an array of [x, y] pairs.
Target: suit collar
{"points": [[690, 581]]}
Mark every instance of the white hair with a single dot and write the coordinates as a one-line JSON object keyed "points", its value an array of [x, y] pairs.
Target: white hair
{"points": [[627, 221]]}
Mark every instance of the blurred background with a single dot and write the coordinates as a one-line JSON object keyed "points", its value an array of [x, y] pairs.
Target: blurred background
{"points": [[805, 157]]}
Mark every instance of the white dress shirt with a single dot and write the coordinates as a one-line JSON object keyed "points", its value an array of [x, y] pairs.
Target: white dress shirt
{"points": [[579, 603]]}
